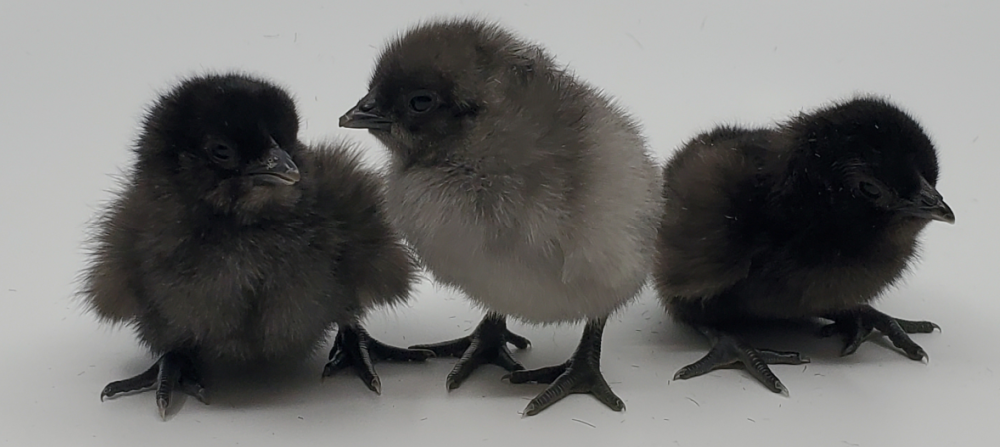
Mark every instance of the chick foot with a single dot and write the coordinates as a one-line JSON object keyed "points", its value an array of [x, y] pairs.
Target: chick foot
{"points": [[729, 352], [486, 344], [857, 325], [170, 371], [580, 374], [355, 347]]}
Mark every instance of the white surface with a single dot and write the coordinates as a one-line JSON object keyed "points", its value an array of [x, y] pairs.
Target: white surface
{"points": [[74, 79]]}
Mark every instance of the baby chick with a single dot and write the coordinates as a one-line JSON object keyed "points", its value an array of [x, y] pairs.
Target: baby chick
{"points": [[231, 243], [813, 219], [518, 184]]}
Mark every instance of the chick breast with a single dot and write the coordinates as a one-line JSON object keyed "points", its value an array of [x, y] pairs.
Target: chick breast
{"points": [[579, 247]]}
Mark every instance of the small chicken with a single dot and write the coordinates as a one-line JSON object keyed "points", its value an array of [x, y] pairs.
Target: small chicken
{"points": [[231, 243], [518, 184], [813, 219]]}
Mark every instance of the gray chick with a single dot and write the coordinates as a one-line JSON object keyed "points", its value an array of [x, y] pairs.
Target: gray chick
{"points": [[231, 243], [518, 184]]}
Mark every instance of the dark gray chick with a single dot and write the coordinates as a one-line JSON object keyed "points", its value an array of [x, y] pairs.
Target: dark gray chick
{"points": [[231, 243], [813, 219], [518, 184]]}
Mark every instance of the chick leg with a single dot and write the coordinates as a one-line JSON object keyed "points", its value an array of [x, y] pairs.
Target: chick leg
{"points": [[580, 374], [728, 351], [486, 344], [355, 347], [170, 371], [857, 325]]}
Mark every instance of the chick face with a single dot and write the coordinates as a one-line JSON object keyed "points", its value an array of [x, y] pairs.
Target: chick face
{"points": [[880, 160], [407, 113], [229, 140], [915, 198], [434, 82]]}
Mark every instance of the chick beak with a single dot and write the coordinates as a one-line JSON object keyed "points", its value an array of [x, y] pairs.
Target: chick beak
{"points": [[930, 205], [365, 116], [275, 168]]}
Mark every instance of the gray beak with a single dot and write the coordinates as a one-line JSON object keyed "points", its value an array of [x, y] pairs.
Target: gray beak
{"points": [[365, 116], [930, 205], [276, 168]]}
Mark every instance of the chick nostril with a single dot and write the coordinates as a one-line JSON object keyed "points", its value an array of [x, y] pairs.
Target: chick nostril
{"points": [[367, 106]]}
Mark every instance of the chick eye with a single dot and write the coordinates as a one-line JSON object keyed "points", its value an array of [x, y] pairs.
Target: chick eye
{"points": [[422, 101], [222, 153], [870, 190]]}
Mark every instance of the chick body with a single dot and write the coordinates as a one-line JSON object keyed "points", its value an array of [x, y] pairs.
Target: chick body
{"points": [[515, 182], [813, 219], [231, 243]]}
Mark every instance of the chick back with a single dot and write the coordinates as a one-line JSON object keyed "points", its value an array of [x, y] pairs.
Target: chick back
{"points": [[235, 292]]}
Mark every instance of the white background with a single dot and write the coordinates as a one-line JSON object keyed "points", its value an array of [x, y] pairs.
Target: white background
{"points": [[75, 77]]}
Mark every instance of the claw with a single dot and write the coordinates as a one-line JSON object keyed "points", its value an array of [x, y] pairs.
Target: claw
{"points": [[728, 351], [172, 370], [486, 344], [353, 346], [858, 325], [580, 374]]}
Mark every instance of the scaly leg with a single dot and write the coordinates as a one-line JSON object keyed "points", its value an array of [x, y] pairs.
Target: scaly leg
{"points": [[580, 374]]}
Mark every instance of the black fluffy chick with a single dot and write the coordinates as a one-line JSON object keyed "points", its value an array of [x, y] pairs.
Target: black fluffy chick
{"points": [[517, 183], [231, 243], [813, 219]]}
